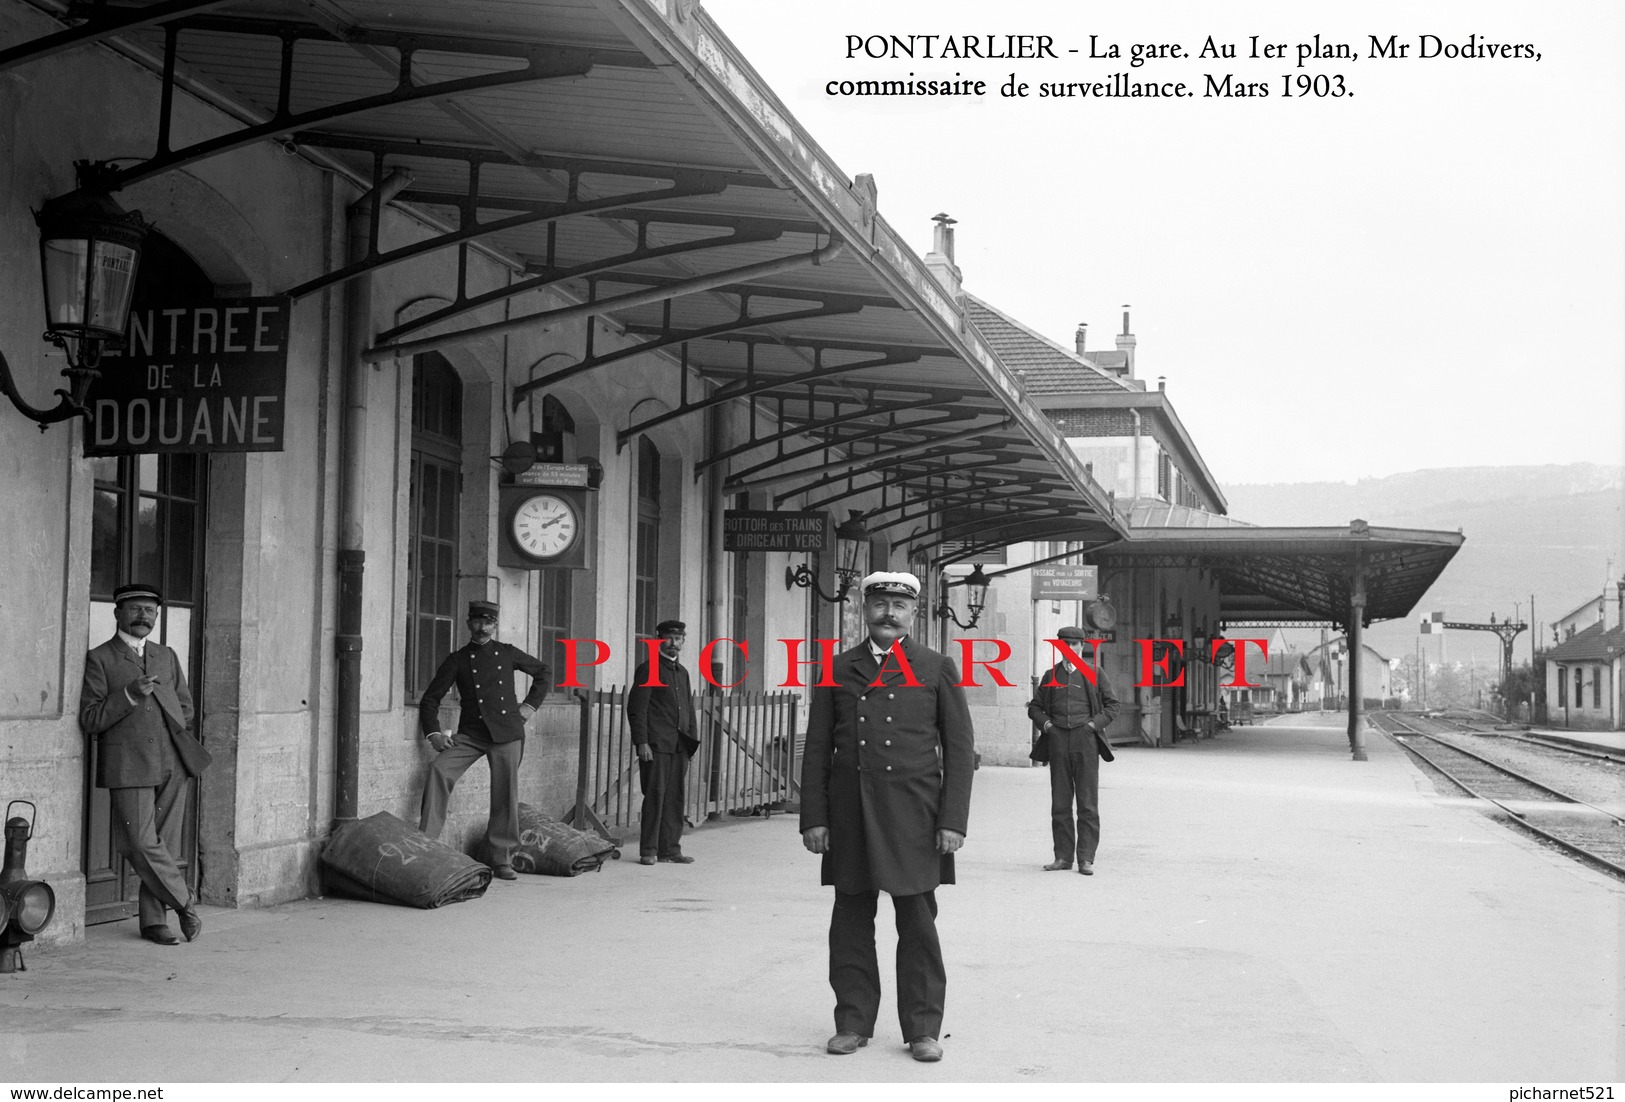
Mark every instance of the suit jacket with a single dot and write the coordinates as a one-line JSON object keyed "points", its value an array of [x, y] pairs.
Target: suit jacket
{"points": [[663, 715], [886, 766], [484, 680], [1061, 704], [132, 733]]}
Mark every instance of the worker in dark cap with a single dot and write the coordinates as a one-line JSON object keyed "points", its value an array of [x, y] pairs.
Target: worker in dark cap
{"points": [[1072, 711], [660, 711], [135, 704], [885, 799], [491, 725]]}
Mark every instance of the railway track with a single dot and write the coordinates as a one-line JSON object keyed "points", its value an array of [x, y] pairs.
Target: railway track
{"points": [[1483, 723], [1577, 826]]}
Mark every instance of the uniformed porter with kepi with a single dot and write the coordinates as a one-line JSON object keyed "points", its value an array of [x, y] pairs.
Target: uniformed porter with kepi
{"points": [[491, 725]]}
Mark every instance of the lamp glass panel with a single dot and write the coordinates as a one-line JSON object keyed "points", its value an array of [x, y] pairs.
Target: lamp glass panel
{"points": [[64, 260], [977, 597], [848, 561], [112, 282], [33, 902]]}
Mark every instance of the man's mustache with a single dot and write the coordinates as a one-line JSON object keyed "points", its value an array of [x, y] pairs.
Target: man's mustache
{"points": [[886, 621]]}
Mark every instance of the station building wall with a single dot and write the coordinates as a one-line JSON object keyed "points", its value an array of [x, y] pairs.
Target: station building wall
{"points": [[259, 221]]}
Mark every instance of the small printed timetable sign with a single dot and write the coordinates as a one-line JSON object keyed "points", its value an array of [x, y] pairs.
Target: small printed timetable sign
{"points": [[205, 376], [769, 530], [1065, 583]]}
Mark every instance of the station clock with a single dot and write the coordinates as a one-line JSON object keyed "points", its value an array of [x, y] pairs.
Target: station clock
{"points": [[543, 526]]}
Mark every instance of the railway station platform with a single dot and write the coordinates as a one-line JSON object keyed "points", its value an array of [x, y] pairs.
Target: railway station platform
{"points": [[1265, 909], [1606, 741]]}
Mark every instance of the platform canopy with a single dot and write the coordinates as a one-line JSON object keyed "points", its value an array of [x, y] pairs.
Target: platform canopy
{"points": [[623, 153], [1296, 575]]}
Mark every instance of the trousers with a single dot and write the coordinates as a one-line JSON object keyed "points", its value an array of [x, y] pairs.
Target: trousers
{"points": [[854, 970], [502, 832], [661, 834], [1075, 778], [149, 822]]}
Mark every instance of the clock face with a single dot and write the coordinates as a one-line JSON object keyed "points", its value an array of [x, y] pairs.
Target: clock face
{"points": [[545, 525]]}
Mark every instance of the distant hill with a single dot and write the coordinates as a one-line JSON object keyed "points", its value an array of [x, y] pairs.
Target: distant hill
{"points": [[1549, 531]]}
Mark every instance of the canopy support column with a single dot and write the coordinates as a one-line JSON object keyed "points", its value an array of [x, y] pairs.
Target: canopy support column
{"points": [[1356, 625]]}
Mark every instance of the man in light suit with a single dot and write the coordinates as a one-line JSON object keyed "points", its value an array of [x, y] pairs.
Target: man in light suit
{"points": [[135, 702], [885, 798]]}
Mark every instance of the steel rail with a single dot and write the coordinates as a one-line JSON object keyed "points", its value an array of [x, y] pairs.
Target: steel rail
{"points": [[1599, 755], [1521, 819]]}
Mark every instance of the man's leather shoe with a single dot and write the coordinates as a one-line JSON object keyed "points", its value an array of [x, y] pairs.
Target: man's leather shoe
{"points": [[191, 924], [679, 859], [1057, 866], [1086, 867], [925, 1049], [845, 1044], [160, 935], [647, 859], [504, 872]]}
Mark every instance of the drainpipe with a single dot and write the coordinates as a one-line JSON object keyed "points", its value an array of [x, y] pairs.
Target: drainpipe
{"points": [[716, 585], [352, 556], [715, 505], [1134, 413]]}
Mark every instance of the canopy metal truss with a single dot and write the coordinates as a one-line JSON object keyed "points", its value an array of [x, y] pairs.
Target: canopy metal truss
{"points": [[622, 155], [1300, 576]]}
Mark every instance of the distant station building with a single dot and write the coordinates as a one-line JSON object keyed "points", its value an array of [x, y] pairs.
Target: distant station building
{"points": [[1183, 572], [1584, 686]]}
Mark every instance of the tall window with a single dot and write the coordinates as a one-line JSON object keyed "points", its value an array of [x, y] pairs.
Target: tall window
{"points": [[1596, 688], [1579, 687], [1562, 688], [1165, 477], [646, 599], [431, 599], [556, 587]]}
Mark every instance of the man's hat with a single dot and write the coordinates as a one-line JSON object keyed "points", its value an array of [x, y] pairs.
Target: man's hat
{"points": [[886, 581], [478, 609], [671, 626], [132, 590], [1071, 634]]}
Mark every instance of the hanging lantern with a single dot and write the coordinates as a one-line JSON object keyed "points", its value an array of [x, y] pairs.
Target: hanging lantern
{"points": [[90, 251]]}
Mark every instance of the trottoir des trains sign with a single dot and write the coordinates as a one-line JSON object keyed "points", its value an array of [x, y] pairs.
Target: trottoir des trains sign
{"points": [[205, 376]]}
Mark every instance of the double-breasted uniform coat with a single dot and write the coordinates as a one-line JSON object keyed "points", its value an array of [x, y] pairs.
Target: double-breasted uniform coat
{"points": [[490, 725], [146, 752], [888, 763]]}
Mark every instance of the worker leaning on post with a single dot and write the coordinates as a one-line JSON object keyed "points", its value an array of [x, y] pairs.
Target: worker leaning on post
{"points": [[135, 703]]}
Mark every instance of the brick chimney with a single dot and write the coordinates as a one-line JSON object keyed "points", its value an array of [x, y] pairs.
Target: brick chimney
{"points": [[940, 260], [1080, 336], [1619, 616], [1125, 343]]}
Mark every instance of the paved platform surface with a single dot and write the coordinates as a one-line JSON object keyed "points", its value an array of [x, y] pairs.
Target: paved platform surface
{"points": [[1265, 909], [1595, 740]]}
